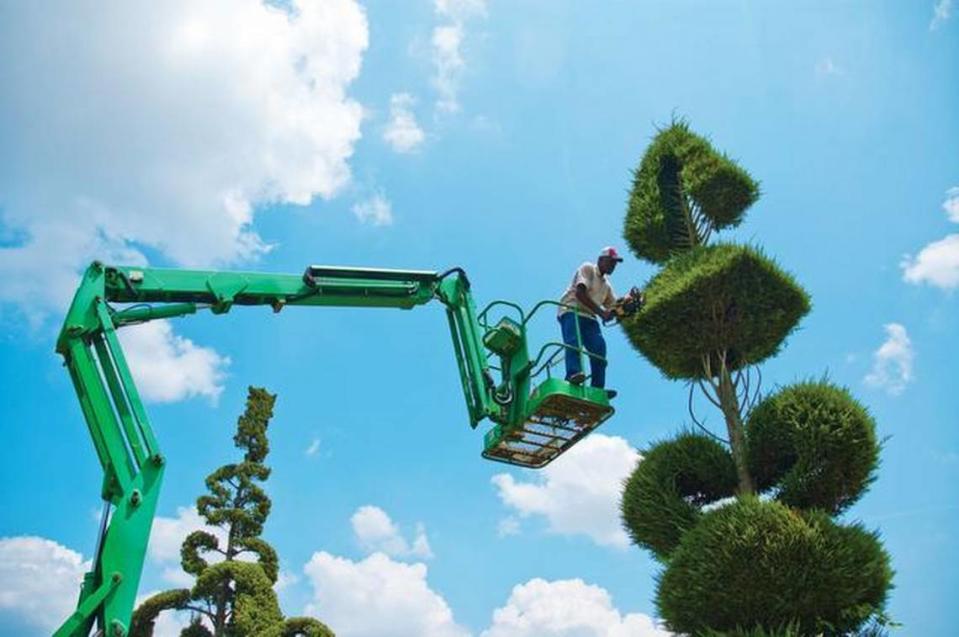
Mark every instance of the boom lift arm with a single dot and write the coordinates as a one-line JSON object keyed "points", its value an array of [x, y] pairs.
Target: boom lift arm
{"points": [[531, 428]]}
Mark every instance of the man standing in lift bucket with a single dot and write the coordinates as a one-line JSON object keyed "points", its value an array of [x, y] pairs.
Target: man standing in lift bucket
{"points": [[589, 296]]}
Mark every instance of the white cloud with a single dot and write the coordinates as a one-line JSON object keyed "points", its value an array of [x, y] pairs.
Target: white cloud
{"points": [[168, 367], [375, 210], [447, 40], [313, 448], [376, 532], [41, 276], [285, 579], [951, 204], [937, 263], [449, 64], [579, 492], [39, 581], [167, 536], [566, 608], [377, 597], [892, 362], [163, 126], [166, 124], [402, 132], [460, 10], [941, 12], [508, 526]]}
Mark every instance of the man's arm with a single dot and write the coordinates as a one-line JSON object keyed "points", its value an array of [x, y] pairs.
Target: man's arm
{"points": [[610, 301], [583, 298]]}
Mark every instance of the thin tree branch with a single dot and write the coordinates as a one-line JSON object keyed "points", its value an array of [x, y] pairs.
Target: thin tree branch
{"points": [[747, 374], [704, 226], [737, 377], [757, 394], [692, 232], [708, 368], [708, 394], [197, 609], [697, 422]]}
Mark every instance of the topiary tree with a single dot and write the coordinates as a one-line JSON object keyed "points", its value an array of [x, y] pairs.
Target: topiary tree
{"points": [[745, 565], [234, 596]]}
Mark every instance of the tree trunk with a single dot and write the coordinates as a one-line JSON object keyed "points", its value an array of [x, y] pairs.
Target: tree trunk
{"points": [[729, 403], [219, 623]]}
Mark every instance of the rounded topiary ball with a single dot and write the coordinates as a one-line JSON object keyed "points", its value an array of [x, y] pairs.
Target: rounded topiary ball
{"points": [[761, 564], [663, 496], [814, 445]]}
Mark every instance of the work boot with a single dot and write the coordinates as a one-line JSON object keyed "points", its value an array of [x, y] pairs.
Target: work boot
{"points": [[577, 378], [611, 393]]}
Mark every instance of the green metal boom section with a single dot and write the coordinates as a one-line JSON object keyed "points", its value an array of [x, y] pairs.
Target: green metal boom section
{"points": [[531, 425]]}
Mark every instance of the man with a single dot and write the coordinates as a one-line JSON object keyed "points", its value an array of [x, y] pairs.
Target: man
{"points": [[588, 296]]}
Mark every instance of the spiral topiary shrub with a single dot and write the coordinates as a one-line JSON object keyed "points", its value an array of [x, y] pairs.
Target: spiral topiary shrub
{"points": [[754, 563], [233, 595], [663, 497], [681, 177], [750, 568], [721, 297], [814, 445]]}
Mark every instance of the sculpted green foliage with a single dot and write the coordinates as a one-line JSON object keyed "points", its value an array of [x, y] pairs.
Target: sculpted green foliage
{"points": [[304, 627], [254, 605], [875, 628], [232, 596], [682, 190], [755, 563], [785, 630], [713, 313], [663, 496], [709, 299], [143, 620], [813, 445]]}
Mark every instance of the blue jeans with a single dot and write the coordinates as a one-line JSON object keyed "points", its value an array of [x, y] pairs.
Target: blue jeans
{"points": [[593, 342]]}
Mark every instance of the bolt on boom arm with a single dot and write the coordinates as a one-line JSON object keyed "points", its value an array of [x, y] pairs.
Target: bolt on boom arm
{"points": [[122, 436]]}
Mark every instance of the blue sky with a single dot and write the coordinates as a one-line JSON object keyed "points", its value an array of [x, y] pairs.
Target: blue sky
{"points": [[498, 136]]}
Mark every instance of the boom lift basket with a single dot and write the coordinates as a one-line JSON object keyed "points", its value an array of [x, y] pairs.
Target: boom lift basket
{"points": [[556, 414], [560, 414]]}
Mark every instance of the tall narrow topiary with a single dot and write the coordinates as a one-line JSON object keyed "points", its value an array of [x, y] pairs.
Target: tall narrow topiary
{"points": [[232, 596], [714, 312]]}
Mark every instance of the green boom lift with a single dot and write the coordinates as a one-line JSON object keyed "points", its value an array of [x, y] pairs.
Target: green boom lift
{"points": [[531, 425]]}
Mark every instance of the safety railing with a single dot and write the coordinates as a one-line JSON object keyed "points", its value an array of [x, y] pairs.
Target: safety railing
{"points": [[483, 318], [537, 364]]}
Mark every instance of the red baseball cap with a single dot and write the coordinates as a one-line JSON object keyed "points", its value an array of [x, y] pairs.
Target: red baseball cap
{"points": [[610, 251]]}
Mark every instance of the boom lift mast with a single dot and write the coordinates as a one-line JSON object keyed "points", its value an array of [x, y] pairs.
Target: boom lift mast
{"points": [[531, 426]]}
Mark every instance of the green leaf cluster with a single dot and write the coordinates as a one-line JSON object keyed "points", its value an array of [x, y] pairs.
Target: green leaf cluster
{"points": [[813, 445], [762, 563], [663, 496], [723, 297], [233, 593], [681, 185]]}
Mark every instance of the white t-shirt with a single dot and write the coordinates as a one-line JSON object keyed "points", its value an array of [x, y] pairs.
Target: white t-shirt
{"points": [[597, 287]]}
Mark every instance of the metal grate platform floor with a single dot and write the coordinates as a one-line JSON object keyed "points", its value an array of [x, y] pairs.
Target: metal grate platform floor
{"points": [[557, 423]]}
